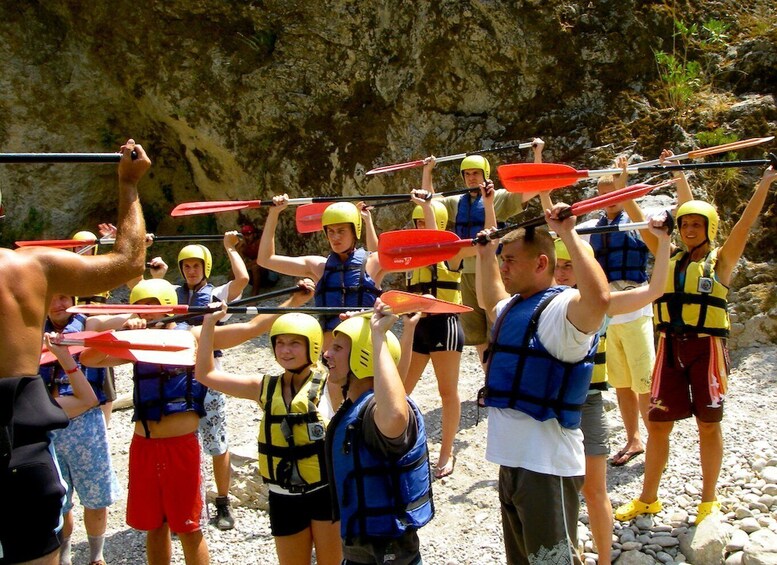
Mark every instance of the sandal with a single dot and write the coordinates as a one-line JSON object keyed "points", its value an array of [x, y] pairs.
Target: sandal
{"points": [[705, 509], [635, 508]]}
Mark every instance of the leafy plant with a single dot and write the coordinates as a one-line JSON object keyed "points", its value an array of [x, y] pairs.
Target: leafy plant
{"points": [[682, 79], [718, 136]]}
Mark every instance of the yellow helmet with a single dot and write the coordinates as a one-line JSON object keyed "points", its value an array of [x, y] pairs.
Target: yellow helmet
{"points": [[85, 235], [440, 214], [360, 360], [343, 213], [702, 209], [563, 253], [196, 251], [476, 162], [160, 289], [304, 325]]}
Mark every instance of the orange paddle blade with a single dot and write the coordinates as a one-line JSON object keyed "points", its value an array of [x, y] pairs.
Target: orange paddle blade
{"points": [[308, 217], [534, 177], [405, 302]]}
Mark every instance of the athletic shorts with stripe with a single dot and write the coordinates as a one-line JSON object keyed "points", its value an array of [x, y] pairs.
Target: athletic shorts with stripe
{"points": [[690, 379], [438, 332]]}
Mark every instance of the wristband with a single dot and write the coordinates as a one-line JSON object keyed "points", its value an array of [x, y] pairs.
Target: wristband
{"points": [[71, 371]]}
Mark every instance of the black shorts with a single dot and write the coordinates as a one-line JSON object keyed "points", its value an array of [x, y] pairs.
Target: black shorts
{"points": [[438, 332], [31, 485], [292, 513]]}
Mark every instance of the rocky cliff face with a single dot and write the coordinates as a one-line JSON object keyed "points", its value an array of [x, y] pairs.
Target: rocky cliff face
{"points": [[245, 100]]}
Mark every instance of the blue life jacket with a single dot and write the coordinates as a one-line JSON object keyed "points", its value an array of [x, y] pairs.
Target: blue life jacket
{"points": [[622, 255], [53, 374], [161, 390], [470, 216], [200, 297], [377, 497], [345, 283], [522, 375]]}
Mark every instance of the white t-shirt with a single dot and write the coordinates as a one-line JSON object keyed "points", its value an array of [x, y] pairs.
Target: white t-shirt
{"points": [[516, 439], [646, 310]]}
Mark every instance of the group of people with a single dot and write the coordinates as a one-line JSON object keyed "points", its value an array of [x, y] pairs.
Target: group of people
{"points": [[341, 444]]}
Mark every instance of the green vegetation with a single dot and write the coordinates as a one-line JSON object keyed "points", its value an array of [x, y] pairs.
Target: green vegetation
{"points": [[690, 67]]}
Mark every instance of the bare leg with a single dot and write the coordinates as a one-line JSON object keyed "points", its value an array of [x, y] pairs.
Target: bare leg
{"points": [[711, 454], [656, 456], [630, 409], [481, 348], [222, 473], [326, 538], [446, 369], [295, 549], [599, 506], [418, 363], [195, 550], [159, 546], [95, 521], [107, 409]]}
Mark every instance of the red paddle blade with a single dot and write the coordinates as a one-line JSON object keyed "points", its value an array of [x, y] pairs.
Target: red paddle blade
{"points": [[195, 208], [617, 196], [308, 217], [538, 177], [406, 302], [396, 167], [59, 243], [403, 250], [128, 309]]}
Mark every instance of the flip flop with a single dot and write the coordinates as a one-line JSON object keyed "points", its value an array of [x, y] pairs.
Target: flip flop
{"points": [[442, 472], [623, 457]]}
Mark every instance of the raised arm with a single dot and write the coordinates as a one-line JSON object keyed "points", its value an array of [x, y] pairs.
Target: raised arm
{"points": [[586, 310], [83, 396], [732, 249], [239, 270], [426, 175], [232, 335], [78, 275], [370, 235], [625, 301], [488, 280], [391, 408], [308, 266], [205, 369]]}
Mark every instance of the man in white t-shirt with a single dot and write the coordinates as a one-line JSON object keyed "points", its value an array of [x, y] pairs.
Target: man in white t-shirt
{"points": [[539, 370]]}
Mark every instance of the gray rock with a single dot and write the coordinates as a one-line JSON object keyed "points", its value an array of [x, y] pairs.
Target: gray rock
{"points": [[666, 541], [631, 545], [644, 522], [749, 525], [737, 541], [705, 543], [761, 549], [627, 535], [664, 557], [735, 558], [634, 558], [769, 474], [741, 513]]}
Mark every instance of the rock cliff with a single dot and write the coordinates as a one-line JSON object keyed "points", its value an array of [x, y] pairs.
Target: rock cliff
{"points": [[248, 99]]}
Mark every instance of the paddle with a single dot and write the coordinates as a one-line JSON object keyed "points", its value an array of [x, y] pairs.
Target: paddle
{"points": [[540, 177], [165, 347], [696, 153], [240, 302], [194, 208], [400, 302], [62, 157], [410, 249], [308, 216], [65, 243], [458, 156]]}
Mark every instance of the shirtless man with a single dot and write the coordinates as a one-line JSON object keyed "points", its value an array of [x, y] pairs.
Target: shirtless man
{"points": [[29, 278]]}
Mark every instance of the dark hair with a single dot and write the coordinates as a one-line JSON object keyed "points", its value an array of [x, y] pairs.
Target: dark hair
{"points": [[536, 241]]}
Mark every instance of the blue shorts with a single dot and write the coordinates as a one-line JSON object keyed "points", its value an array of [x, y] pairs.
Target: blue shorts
{"points": [[213, 426], [85, 459]]}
